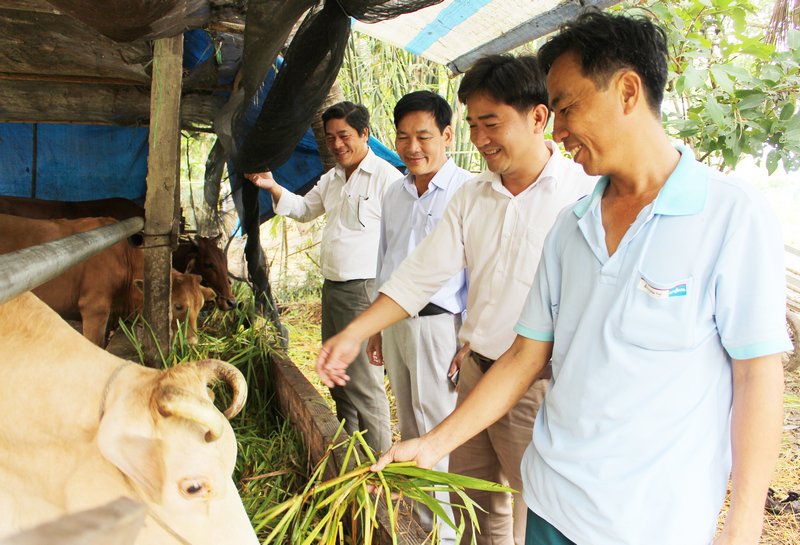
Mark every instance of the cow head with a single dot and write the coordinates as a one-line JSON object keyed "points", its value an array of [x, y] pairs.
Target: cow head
{"points": [[178, 452], [210, 262], [188, 298]]}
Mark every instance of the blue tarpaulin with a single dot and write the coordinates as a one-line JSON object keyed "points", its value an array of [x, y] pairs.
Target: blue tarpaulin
{"points": [[72, 162]]}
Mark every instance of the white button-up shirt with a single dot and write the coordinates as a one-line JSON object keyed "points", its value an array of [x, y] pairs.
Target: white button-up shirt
{"points": [[350, 237], [498, 237], [640, 400], [409, 218]]}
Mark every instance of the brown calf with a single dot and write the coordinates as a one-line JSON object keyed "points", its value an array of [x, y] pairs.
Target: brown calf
{"points": [[103, 288]]}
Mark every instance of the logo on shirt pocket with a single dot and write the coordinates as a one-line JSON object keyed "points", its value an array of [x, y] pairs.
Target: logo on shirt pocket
{"points": [[660, 315], [678, 290]]}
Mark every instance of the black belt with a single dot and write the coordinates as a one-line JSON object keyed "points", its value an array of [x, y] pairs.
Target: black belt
{"points": [[483, 362], [432, 310]]}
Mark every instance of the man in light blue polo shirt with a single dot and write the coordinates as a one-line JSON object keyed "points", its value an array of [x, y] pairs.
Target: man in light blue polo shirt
{"points": [[661, 300]]}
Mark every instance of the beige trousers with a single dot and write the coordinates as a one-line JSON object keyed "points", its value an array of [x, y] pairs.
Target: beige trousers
{"points": [[495, 455]]}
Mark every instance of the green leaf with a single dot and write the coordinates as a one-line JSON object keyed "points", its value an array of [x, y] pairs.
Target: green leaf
{"points": [[715, 112], [720, 75], [751, 101], [792, 137], [772, 161], [786, 111], [771, 73], [695, 78], [793, 39]]}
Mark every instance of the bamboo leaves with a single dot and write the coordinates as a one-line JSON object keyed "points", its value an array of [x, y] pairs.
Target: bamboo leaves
{"points": [[344, 509]]}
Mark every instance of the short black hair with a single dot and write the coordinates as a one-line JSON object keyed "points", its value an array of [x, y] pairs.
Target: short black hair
{"points": [[424, 101], [516, 81], [605, 43], [356, 115]]}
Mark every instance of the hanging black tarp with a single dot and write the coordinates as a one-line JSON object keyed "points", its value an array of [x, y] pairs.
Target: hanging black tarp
{"points": [[311, 65], [128, 20]]}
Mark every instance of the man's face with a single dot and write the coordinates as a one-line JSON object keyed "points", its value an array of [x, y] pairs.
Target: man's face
{"points": [[587, 119], [420, 143], [347, 146], [502, 135]]}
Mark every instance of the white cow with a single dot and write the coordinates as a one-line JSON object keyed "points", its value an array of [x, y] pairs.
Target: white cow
{"points": [[80, 427]]}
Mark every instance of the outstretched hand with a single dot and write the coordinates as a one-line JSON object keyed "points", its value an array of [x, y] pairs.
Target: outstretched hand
{"points": [[334, 357], [262, 180], [405, 451]]}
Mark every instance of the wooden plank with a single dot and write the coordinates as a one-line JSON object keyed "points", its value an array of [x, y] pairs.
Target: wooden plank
{"points": [[28, 5], [31, 101], [311, 417], [161, 226], [46, 43], [116, 523]]}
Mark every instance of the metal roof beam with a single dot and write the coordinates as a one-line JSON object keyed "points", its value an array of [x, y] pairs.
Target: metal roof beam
{"points": [[535, 28]]}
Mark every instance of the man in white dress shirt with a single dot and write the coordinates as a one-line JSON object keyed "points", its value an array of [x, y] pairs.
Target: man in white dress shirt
{"points": [[495, 226], [417, 351], [351, 195]]}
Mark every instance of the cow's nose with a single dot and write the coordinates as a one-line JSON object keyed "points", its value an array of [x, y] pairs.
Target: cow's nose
{"points": [[231, 303]]}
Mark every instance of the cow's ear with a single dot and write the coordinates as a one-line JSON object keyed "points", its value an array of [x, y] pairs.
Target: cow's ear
{"points": [[190, 265], [138, 283], [208, 293], [138, 458]]}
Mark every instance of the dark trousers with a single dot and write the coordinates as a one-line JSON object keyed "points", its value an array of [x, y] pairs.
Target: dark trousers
{"points": [[541, 532], [362, 404]]}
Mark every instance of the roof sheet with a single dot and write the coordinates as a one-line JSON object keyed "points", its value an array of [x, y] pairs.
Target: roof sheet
{"points": [[457, 32]]}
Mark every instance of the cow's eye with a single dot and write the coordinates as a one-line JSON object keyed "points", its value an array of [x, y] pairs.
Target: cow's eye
{"points": [[209, 265], [194, 488], [179, 307]]}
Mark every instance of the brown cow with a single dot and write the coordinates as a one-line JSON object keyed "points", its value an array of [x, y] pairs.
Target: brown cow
{"points": [[200, 255], [117, 208], [103, 288]]}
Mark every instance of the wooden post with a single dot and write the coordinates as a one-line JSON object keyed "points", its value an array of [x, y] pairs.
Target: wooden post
{"points": [[160, 228]]}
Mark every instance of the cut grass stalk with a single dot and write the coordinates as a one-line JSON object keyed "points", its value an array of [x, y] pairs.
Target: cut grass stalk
{"points": [[344, 509]]}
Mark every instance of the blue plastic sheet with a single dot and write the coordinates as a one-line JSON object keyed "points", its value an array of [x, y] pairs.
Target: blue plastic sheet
{"points": [[72, 162]]}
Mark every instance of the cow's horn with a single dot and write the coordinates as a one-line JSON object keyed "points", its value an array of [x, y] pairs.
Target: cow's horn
{"points": [[173, 401], [220, 370]]}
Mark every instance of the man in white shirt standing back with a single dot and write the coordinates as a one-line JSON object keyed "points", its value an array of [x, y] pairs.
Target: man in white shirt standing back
{"points": [[417, 351], [351, 194], [495, 227]]}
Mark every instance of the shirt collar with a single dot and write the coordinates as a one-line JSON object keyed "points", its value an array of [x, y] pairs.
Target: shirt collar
{"points": [[367, 164], [441, 180], [683, 194], [552, 170]]}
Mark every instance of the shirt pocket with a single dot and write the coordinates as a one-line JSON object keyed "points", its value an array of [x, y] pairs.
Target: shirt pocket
{"points": [[658, 314], [358, 212]]}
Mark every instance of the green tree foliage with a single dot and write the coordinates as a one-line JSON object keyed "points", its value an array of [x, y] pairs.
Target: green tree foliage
{"points": [[377, 74], [730, 93]]}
